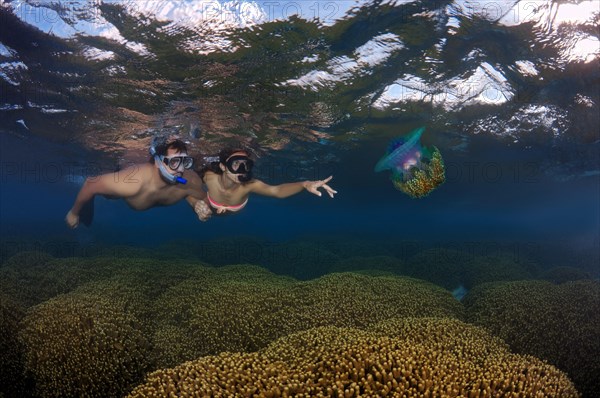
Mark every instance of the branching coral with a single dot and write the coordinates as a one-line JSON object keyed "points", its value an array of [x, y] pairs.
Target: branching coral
{"points": [[85, 343], [94, 341], [11, 351], [347, 362], [347, 299], [220, 309], [497, 267], [222, 312], [372, 265], [33, 277], [560, 324], [565, 274]]}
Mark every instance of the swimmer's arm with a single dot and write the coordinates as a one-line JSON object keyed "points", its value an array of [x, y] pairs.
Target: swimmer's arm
{"points": [[192, 201], [197, 196], [291, 188], [200, 207], [121, 184]]}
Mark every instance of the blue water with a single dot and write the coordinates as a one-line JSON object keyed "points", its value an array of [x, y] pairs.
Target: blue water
{"points": [[509, 93], [507, 199]]}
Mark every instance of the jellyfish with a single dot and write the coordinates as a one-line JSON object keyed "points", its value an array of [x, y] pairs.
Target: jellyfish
{"points": [[416, 170]]}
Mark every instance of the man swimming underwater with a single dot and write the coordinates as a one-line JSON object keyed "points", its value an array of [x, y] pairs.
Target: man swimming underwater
{"points": [[165, 180]]}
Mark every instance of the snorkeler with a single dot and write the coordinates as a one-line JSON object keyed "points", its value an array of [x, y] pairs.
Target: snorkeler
{"points": [[163, 181], [229, 182]]}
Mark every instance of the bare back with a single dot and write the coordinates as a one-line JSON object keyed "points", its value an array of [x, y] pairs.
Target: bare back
{"points": [[142, 187]]}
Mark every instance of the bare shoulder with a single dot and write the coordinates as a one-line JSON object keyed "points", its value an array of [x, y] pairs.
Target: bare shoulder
{"points": [[210, 174], [209, 177], [123, 183], [136, 173]]}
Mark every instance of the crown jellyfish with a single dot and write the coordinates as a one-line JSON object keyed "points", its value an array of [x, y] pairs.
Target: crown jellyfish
{"points": [[416, 170]]}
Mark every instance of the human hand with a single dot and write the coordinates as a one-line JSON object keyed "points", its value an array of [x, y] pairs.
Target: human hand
{"points": [[72, 220], [221, 210], [202, 210], [313, 187]]}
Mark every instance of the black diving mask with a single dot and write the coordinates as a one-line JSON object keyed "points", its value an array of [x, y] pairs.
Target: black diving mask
{"points": [[239, 164]]}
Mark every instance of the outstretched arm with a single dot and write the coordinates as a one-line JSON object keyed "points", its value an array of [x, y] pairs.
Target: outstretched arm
{"points": [[292, 188], [112, 184]]}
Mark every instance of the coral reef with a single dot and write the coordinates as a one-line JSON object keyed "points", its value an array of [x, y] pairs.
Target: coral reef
{"points": [[86, 343], [564, 274], [370, 265], [232, 308], [453, 268], [244, 308], [33, 277], [557, 323], [453, 359], [12, 382], [348, 299], [105, 321], [498, 267], [28, 259]]}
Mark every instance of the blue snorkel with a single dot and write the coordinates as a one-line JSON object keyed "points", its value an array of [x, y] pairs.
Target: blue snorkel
{"points": [[173, 179]]}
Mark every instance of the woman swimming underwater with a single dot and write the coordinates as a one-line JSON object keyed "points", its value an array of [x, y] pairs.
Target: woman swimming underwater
{"points": [[229, 182]]}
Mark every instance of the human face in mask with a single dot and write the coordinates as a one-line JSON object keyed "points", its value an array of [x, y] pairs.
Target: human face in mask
{"points": [[239, 167]]}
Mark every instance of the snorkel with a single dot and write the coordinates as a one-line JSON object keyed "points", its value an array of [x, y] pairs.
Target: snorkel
{"points": [[245, 177], [173, 179]]}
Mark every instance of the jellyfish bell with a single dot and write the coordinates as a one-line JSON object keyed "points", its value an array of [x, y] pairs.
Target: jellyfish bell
{"points": [[401, 149], [416, 170]]}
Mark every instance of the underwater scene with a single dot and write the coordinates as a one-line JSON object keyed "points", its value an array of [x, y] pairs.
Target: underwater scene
{"points": [[299, 198]]}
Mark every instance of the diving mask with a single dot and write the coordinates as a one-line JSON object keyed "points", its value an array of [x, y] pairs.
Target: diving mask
{"points": [[241, 165], [174, 162], [162, 160]]}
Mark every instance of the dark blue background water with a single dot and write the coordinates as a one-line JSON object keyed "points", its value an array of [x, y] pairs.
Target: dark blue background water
{"points": [[505, 202]]}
